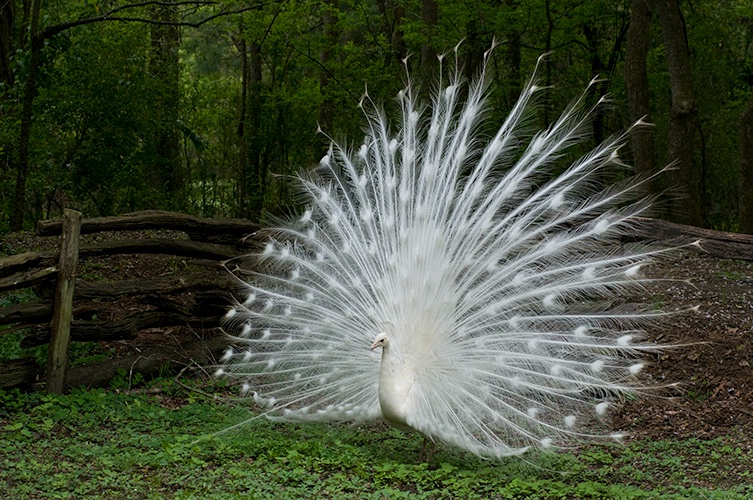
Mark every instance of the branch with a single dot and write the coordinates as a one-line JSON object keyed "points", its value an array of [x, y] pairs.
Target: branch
{"points": [[322, 66], [53, 30]]}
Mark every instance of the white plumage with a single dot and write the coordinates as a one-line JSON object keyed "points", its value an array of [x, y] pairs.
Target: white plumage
{"points": [[484, 279]]}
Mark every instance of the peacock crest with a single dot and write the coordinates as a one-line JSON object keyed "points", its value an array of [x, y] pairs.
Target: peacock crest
{"points": [[481, 281]]}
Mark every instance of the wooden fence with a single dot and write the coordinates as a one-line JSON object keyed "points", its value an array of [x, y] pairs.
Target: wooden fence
{"points": [[72, 308], [195, 297]]}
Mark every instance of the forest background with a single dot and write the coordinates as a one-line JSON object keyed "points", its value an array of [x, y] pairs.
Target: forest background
{"points": [[209, 107]]}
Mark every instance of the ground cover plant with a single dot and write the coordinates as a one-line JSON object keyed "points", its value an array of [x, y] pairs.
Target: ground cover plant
{"points": [[107, 443]]}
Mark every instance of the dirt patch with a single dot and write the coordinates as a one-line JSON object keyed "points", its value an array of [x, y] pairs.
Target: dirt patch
{"points": [[711, 366]]}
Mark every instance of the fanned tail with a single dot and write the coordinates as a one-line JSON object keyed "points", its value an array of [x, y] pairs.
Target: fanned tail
{"points": [[493, 278]]}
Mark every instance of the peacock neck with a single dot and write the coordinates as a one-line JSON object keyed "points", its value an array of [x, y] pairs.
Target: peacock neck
{"points": [[396, 380]]}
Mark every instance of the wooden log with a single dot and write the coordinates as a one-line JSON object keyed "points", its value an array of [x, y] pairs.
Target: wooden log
{"points": [[15, 327], [158, 286], [29, 312], [155, 219], [238, 240], [182, 248], [27, 260], [209, 298], [150, 361], [206, 310], [28, 279], [17, 372], [722, 244], [97, 330], [62, 311]]}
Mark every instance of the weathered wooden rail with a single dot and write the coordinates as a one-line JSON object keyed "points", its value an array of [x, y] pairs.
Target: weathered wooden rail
{"points": [[721, 244], [195, 299]]}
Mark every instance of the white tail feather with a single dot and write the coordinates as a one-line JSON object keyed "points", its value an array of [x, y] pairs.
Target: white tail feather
{"points": [[484, 272]]}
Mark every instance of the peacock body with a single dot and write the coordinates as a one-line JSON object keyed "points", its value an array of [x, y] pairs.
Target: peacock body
{"points": [[485, 281]]}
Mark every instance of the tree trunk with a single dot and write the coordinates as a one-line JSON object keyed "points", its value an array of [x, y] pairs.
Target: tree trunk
{"points": [[252, 181], [395, 31], [259, 146], [604, 70], [330, 35], [429, 62], [30, 89], [688, 207], [745, 215], [636, 81], [512, 60], [547, 99], [474, 46], [600, 88], [242, 47], [7, 21], [7, 79], [164, 68]]}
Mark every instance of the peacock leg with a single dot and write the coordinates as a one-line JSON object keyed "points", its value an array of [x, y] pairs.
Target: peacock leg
{"points": [[427, 450], [430, 451]]}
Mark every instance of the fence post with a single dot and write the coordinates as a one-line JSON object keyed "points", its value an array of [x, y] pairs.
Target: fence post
{"points": [[62, 310]]}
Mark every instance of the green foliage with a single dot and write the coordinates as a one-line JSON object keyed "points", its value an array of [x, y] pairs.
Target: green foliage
{"points": [[125, 381], [79, 353], [101, 103], [10, 343], [103, 109], [17, 297], [10, 348], [106, 444], [83, 353]]}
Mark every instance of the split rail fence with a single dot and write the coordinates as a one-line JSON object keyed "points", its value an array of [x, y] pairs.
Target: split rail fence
{"points": [[73, 309]]}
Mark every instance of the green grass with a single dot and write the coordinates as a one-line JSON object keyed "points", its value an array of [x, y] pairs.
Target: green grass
{"points": [[110, 444]]}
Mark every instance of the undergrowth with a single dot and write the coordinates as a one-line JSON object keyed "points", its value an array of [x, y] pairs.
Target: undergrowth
{"points": [[10, 342], [114, 444]]}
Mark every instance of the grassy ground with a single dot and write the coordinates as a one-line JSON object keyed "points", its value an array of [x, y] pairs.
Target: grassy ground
{"points": [[114, 444]]}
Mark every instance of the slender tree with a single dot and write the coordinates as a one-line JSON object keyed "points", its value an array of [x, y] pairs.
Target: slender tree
{"points": [[512, 57], [330, 35], [22, 168], [636, 82], [251, 164], [430, 17], [602, 68], [685, 138], [8, 45], [164, 69], [7, 28], [745, 212]]}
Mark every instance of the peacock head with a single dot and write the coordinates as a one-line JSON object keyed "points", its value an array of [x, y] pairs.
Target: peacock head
{"points": [[380, 341]]}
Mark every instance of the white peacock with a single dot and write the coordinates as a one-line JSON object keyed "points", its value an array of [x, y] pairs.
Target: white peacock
{"points": [[479, 274]]}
